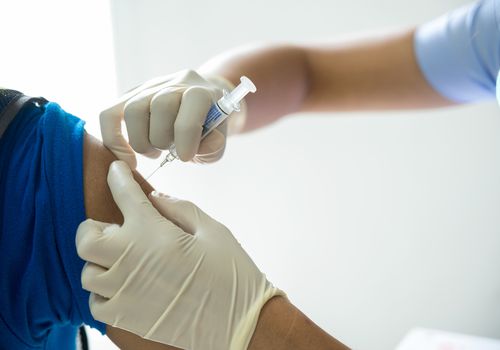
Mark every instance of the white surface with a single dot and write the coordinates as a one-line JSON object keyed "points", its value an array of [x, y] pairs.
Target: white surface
{"points": [[394, 222], [428, 339]]}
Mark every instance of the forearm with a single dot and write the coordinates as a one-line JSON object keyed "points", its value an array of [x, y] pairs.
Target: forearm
{"points": [[282, 326], [279, 72], [372, 73]]}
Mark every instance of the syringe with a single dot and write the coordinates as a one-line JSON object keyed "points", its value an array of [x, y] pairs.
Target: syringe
{"points": [[229, 102]]}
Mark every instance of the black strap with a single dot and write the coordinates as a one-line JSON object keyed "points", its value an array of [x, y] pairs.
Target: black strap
{"points": [[11, 103], [10, 111], [84, 342], [7, 96]]}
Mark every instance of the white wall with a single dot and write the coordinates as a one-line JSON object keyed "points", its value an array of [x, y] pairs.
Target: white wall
{"points": [[393, 223], [62, 50]]}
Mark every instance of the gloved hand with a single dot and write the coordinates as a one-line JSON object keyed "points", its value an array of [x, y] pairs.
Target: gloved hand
{"points": [[170, 273], [165, 111]]}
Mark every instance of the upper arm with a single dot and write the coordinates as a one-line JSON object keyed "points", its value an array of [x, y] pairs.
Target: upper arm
{"points": [[99, 205]]}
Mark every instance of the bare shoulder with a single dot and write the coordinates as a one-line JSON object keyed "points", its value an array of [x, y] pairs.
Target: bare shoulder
{"points": [[99, 204]]}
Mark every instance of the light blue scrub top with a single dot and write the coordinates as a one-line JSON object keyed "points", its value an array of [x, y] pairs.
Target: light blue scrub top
{"points": [[459, 53]]}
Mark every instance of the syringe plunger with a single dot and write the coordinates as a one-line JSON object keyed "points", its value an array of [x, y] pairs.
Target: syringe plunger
{"points": [[231, 100]]}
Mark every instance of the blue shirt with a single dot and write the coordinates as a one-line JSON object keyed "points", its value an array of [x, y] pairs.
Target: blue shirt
{"points": [[42, 302], [459, 53]]}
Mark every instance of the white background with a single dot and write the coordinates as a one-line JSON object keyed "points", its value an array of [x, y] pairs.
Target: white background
{"points": [[372, 223]]}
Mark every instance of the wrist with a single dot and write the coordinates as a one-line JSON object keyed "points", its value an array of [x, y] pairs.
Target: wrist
{"points": [[282, 326], [273, 326]]}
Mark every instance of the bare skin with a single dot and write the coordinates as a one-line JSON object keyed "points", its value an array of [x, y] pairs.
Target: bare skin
{"points": [[99, 205], [280, 326], [372, 73]]}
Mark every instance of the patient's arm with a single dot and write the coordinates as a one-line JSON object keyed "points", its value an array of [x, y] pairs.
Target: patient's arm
{"points": [[99, 205], [281, 325]]}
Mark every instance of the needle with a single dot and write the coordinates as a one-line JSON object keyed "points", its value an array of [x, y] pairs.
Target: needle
{"points": [[149, 176]]}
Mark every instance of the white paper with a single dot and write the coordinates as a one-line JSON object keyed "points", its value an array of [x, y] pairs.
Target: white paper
{"points": [[426, 339]]}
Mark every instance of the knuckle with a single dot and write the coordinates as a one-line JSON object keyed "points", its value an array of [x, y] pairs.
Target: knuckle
{"points": [[185, 205], [184, 156], [104, 115], [163, 113], [202, 94], [132, 109], [145, 204], [218, 228], [161, 142], [139, 144], [83, 247], [108, 112], [86, 278], [190, 74], [160, 100], [97, 309]]}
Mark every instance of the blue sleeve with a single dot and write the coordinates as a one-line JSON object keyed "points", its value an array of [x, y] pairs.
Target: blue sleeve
{"points": [[41, 205], [459, 53]]}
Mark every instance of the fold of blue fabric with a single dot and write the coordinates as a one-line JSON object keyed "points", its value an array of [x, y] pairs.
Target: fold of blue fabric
{"points": [[42, 302]]}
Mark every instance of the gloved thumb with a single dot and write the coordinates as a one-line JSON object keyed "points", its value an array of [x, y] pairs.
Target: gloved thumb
{"points": [[127, 193], [182, 213], [112, 136]]}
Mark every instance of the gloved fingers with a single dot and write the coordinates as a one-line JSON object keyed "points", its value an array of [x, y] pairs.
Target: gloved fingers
{"points": [[182, 213], [189, 77], [164, 108], [96, 242], [128, 195], [95, 279], [137, 116], [111, 118], [152, 83], [100, 310], [112, 136], [213, 146], [195, 104]]}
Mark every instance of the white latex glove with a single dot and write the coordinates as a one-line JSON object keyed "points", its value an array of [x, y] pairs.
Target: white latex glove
{"points": [[165, 111], [171, 274]]}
